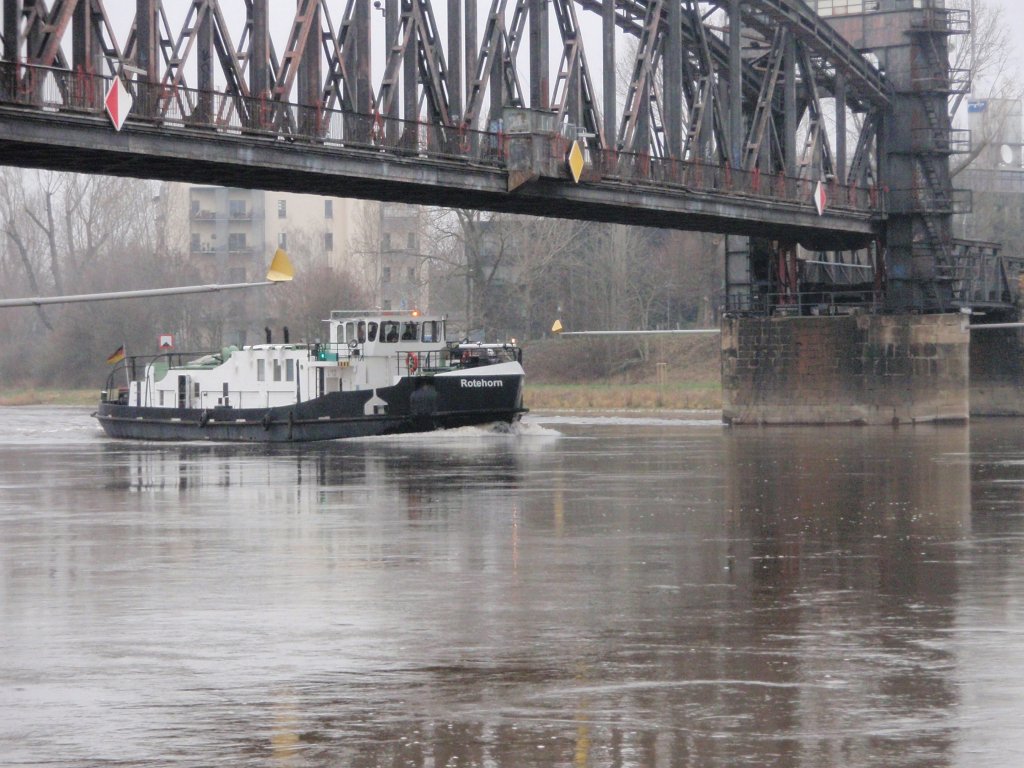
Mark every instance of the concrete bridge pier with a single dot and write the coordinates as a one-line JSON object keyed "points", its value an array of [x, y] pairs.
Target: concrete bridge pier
{"points": [[851, 369], [997, 372], [869, 369]]}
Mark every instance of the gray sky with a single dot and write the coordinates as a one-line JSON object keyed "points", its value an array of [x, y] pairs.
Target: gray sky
{"points": [[1013, 13]]}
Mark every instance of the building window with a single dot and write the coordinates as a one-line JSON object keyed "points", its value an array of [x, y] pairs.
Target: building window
{"points": [[412, 274], [236, 208], [386, 305], [328, 209], [195, 207], [385, 243], [196, 242], [410, 241], [282, 209], [282, 239], [328, 241], [385, 274], [236, 241]]}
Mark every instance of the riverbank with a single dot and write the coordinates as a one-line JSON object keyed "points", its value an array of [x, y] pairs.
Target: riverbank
{"points": [[611, 373], [565, 374], [34, 396]]}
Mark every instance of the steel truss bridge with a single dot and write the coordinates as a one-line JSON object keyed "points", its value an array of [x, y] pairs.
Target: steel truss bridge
{"points": [[732, 118]]}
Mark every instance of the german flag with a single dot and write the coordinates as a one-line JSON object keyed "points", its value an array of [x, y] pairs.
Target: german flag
{"points": [[117, 356]]}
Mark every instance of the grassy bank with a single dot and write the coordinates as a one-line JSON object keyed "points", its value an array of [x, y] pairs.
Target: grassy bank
{"points": [[612, 373], [603, 397], [33, 396]]}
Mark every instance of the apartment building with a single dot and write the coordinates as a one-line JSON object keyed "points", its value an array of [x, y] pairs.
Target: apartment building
{"points": [[402, 280], [233, 234]]}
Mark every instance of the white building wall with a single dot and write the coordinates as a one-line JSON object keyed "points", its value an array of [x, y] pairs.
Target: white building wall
{"points": [[314, 227]]}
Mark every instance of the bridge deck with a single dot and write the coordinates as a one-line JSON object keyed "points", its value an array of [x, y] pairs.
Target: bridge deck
{"points": [[58, 124]]}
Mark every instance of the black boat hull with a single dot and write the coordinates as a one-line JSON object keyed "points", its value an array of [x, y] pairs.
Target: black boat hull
{"points": [[412, 405]]}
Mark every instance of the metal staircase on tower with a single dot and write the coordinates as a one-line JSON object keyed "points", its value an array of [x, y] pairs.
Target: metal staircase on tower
{"points": [[935, 200]]}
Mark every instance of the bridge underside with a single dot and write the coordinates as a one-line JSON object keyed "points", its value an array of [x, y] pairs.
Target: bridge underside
{"points": [[86, 144]]}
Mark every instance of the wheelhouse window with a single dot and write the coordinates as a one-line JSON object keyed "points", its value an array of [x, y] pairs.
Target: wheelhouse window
{"points": [[371, 331], [289, 370], [410, 331], [430, 331], [261, 370], [277, 370], [361, 331], [389, 331]]}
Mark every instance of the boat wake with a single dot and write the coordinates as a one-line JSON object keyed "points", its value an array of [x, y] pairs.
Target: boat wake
{"points": [[494, 432], [688, 419]]}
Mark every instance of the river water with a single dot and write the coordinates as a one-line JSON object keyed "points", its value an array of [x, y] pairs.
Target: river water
{"points": [[579, 592]]}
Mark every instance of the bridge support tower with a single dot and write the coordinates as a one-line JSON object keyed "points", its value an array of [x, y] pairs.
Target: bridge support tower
{"points": [[908, 356]]}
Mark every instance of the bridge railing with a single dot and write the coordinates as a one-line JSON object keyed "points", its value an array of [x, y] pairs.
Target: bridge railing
{"points": [[808, 303], [706, 177], [54, 89]]}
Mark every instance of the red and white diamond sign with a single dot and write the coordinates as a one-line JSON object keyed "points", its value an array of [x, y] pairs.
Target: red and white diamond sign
{"points": [[819, 198], [118, 103]]}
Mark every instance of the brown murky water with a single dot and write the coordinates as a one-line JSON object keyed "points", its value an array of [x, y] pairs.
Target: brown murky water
{"points": [[586, 592]]}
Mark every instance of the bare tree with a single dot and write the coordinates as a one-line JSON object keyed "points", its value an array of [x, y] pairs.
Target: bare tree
{"points": [[986, 55], [468, 246]]}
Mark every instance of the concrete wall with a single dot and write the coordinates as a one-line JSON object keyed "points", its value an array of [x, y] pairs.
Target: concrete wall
{"points": [[868, 369], [997, 373]]}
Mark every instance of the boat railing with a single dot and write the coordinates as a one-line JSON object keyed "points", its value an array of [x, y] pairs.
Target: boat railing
{"points": [[329, 352], [134, 367], [422, 362], [472, 355]]}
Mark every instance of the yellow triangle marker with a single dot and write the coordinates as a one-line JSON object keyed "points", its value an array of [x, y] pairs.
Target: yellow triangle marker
{"points": [[556, 327], [575, 161], [281, 269]]}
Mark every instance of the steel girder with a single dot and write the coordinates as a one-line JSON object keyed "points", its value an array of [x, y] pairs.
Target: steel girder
{"points": [[680, 102]]}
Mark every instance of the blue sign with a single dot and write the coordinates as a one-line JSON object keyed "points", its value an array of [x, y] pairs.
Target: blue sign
{"points": [[977, 106]]}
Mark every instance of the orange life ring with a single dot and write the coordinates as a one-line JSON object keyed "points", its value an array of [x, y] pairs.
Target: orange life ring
{"points": [[412, 362]]}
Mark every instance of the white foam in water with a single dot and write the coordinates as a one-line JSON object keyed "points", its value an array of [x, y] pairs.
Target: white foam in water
{"points": [[487, 432], [613, 419]]}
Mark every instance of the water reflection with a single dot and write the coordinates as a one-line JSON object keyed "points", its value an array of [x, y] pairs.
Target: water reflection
{"points": [[848, 548], [635, 594]]}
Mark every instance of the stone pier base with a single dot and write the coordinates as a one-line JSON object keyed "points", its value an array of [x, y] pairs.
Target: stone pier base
{"points": [[997, 372], [864, 369]]}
